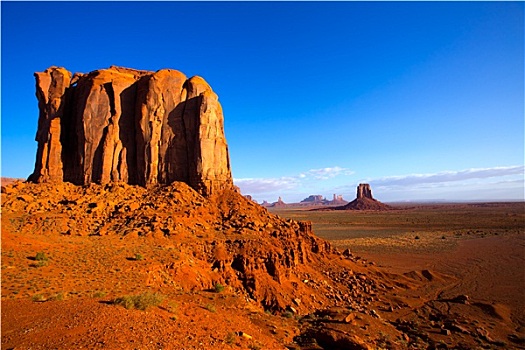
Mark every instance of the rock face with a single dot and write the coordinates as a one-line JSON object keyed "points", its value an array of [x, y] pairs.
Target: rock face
{"points": [[126, 125], [364, 201], [364, 191]]}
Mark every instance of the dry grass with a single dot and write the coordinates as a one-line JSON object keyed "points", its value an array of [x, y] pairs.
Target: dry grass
{"points": [[437, 227], [140, 302]]}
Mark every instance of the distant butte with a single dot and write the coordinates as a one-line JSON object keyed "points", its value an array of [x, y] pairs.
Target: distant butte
{"points": [[364, 201]]}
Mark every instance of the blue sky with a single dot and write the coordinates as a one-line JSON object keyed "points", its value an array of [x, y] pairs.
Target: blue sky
{"points": [[423, 100]]}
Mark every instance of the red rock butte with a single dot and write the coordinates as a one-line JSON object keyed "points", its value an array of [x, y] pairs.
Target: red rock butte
{"points": [[364, 201], [133, 126]]}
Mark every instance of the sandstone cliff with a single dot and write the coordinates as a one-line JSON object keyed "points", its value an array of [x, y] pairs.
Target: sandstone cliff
{"points": [[132, 126]]}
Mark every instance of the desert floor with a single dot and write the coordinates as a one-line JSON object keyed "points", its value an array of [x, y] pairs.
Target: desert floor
{"points": [[474, 252], [481, 245]]}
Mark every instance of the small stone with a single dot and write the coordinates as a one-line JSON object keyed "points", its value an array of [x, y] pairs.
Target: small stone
{"points": [[350, 318], [245, 335]]}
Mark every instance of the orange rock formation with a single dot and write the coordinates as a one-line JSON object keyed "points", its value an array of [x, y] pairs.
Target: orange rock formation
{"points": [[128, 125]]}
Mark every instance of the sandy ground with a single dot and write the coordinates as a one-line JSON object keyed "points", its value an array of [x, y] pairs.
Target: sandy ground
{"points": [[490, 269]]}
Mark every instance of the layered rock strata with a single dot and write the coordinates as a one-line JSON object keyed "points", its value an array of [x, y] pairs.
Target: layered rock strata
{"points": [[133, 126]]}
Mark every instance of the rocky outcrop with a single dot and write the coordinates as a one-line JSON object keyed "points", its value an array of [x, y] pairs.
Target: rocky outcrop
{"points": [[364, 201], [364, 191], [133, 126], [278, 204]]}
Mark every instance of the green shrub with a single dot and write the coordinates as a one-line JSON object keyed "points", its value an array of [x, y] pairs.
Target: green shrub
{"points": [[58, 297], [38, 297], [211, 308], [218, 288], [230, 338], [172, 307], [139, 302], [138, 257], [288, 314], [41, 256], [99, 294]]}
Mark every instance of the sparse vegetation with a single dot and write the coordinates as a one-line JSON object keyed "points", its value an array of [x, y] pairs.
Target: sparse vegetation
{"points": [[40, 259], [99, 294], [140, 302], [219, 288], [58, 297], [172, 307], [138, 257], [38, 297], [287, 314], [41, 256], [230, 338], [211, 308]]}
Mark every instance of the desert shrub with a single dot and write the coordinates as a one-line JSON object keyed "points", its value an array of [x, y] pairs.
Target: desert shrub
{"points": [[230, 338], [38, 297], [288, 314], [138, 257], [218, 288], [139, 302], [58, 297], [41, 256], [172, 307], [99, 294], [211, 308]]}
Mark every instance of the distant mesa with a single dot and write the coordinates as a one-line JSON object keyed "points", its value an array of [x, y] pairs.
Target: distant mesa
{"points": [[314, 200], [132, 126], [317, 199], [364, 201]]}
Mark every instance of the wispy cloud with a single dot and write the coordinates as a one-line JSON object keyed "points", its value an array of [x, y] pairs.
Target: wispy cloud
{"points": [[326, 173], [448, 176], [269, 185], [257, 186]]}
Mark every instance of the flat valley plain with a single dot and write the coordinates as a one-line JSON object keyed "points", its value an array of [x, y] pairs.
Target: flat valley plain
{"points": [[481, 246]]}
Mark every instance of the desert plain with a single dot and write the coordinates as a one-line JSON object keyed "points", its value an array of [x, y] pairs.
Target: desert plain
{"points": [[447, 276]]}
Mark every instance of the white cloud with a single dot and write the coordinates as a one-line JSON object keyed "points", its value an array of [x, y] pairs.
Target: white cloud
{"points": [[326, 173], [447, 176], [276, 185], [259, 185]]}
